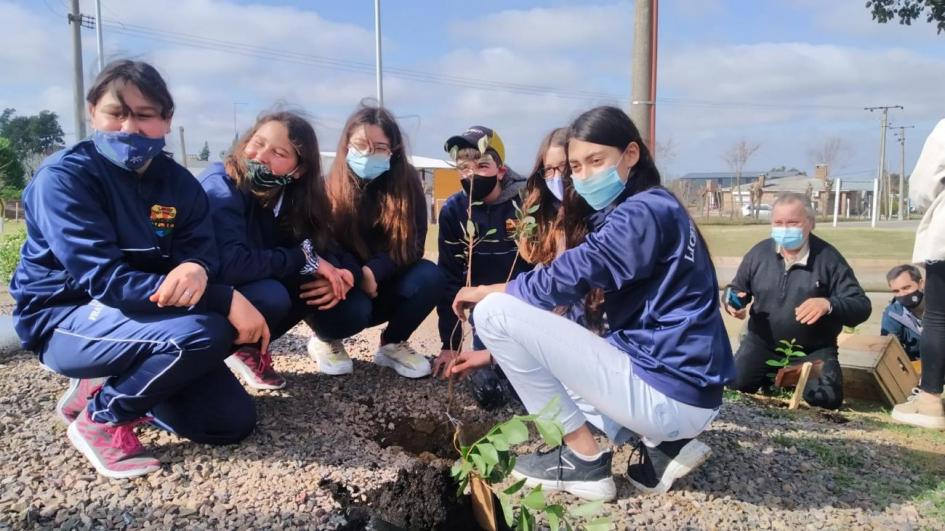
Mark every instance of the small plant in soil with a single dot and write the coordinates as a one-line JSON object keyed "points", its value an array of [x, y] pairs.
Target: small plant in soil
{"points": [[790, 350], [490, 460]]}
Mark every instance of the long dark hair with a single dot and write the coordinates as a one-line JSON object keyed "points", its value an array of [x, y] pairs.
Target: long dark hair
{"points": [[304, 200], [145, 77], [391, 210], [608, 126], [542, 246]]}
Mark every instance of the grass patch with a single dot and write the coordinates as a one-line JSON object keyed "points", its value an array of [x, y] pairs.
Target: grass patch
{"points": [[736, 240]]}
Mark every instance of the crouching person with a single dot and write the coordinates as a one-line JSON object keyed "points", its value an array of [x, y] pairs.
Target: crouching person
{"points": [[800, 288], [659, 370], [112, 289]]}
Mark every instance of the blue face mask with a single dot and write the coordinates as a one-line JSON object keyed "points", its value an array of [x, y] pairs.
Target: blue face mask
{"points": [[790, 238], [556, 186], [367, 167], [131, 151], [600, 189]]}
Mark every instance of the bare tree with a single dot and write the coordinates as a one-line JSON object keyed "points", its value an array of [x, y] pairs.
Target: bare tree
{"points": [[665, 152], [834, 152], [736, 157]]}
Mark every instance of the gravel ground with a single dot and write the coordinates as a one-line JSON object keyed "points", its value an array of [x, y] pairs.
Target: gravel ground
{"points": [[326, 445]]}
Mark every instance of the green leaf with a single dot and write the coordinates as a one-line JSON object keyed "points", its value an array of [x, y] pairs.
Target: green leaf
{"points": [[500, 442], [488, 453], [506, 504], [599, 524], [775, 363], [587, 509], [515, 487], [515, 431], [470, 227], [550, 409], [479, 462], [528, 220], [526, 521], [477, 203], [555, 514], [490, 232], [456, 469], [550, 431], [533, 209], [535, 499]]}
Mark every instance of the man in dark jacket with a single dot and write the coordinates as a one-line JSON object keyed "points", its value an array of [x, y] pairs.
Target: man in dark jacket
{"points": [[800, 288]]}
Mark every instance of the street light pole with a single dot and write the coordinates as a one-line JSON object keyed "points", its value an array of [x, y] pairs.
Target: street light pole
{"points": [[377, 53]]}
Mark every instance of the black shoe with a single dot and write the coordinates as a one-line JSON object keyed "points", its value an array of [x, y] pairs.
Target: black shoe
{"points": [[559, 469], [487, 388], [659, 467]]}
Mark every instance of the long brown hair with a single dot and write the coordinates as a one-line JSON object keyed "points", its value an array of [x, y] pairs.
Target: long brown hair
{"points": [[542, 247], [304, 200], [390, 209]]}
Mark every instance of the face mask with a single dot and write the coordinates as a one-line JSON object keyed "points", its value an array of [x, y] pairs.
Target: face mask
{"points": [[911, 300], [600, 189], [131, 151], [790, 238], [483, 186], [261, 177], [556, 186], [367, 167]]}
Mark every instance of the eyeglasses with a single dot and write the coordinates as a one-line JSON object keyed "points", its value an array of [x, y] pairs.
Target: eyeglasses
{"points": [[550, 171], [373, 149]]}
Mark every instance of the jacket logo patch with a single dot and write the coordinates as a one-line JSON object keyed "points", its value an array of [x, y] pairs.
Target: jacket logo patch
{"points": [[162, 218]]}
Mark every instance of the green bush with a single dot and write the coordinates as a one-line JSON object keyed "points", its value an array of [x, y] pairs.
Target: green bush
{"points": [[10, 245]]}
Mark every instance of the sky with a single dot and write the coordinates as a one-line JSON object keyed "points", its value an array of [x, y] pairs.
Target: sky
{"points": [[786, 74]]}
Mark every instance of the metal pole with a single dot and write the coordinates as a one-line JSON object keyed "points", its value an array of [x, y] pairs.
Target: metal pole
{"points": [[875, 202], [183, 148], [377, 52], [75, 18], [836, 202], [98, 35], [641, 101]]}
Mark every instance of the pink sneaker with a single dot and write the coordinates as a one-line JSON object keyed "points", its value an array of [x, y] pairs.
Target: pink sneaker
{"points": [[114, 451], [255, 368], [76, 397]]}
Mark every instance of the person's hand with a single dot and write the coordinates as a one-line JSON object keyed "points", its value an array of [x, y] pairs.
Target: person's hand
{"points": [[738, 314], [441, 364], [368, 282], [467, 298], [250, 325], [467, 361], [319, 292], [340, 284], [811, 310], [183, 286]]}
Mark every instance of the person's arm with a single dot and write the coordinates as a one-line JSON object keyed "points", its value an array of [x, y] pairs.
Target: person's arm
{"points": [[73, 220], [454, 268], [240, 262], [625, 250], [926, 180], [848, 302], [889, 326]]}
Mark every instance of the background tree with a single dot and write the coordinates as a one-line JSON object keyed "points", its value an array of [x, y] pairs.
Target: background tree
{"points": [[908, 10], [205, 152], [736, 157], [32, 137]]}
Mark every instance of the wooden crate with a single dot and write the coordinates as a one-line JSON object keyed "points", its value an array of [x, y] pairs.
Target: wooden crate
{"points": [[876, 368]]}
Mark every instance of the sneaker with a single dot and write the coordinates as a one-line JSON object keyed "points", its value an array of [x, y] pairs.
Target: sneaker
{"points": [[560, 469], [487, 388], [76, 397], [255, 368], [114, 451], [401, 357], [924, 414], [330, 356], [659, 467]]}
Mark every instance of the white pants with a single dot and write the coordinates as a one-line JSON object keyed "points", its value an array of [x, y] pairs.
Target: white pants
{"points": [[545, 356]]}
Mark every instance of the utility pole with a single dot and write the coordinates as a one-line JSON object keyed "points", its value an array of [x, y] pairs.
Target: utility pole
{"points": [[377, 53], [884, 123], [902, 168], [236, 131], [643, 98], [98, 35], [183, 148], [75, 19]]}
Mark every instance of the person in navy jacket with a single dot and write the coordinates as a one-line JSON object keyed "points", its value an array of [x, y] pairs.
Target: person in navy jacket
{"points": [[660, 369], [117, 284], [271, 219]]}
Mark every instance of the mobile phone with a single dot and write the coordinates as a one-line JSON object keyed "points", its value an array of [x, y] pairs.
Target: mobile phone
{"points": [[733, 300]]}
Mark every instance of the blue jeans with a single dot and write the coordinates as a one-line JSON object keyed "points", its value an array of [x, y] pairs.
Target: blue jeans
{"points": [[402, 301], [170, 366]]}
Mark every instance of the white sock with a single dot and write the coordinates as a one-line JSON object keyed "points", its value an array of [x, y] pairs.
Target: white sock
{"points": [[587, 458]]}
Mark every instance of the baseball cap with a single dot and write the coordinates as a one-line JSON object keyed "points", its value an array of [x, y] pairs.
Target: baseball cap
{"points": [[477, 137]]}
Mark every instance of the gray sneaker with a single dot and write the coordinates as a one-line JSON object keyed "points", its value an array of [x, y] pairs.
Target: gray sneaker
{"points": [[657, 468], [560, 469]]}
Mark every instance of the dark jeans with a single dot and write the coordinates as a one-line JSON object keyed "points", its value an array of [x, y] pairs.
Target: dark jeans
{"points": [[932, 344], [752, 372], [403, 302]]}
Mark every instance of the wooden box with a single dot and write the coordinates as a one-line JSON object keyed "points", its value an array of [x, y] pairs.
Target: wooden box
{"points": [[876, 368]]}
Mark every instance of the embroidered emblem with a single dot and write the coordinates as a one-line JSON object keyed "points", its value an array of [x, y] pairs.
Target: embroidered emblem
{"points": [[162, 218]]}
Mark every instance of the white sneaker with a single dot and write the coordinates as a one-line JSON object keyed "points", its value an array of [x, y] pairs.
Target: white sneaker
{"points": [[401, 357], [330, 357]]}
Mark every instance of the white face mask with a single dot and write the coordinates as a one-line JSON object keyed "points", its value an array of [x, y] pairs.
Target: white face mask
{"points": [[556, 186]]}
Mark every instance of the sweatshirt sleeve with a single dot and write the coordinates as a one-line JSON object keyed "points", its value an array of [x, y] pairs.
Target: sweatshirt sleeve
{"points": [[454, 268], [925, 183], [625, 250], [240, 262], [80, 234], [848, 302], [742, 280]]}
